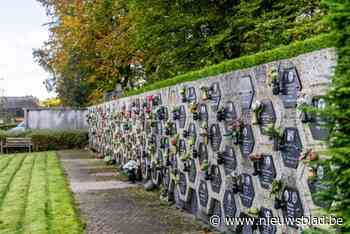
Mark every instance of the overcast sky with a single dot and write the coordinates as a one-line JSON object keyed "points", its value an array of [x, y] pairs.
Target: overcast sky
{"points": [[21, 30]]}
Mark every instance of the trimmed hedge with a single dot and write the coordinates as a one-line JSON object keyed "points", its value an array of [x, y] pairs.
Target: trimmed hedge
{"points": [[46, 139], [283, 52]]}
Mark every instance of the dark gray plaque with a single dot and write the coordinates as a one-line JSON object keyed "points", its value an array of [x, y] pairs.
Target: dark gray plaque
{"points": [[216, 180], [293, 208], [230, 116], [291, 147], [318, 123], [265, 226], [215, 208], [192, 132], [316, 185], [182, 183], [179, 203], [215, 96], [267, 116], [290, 87], [246, 93], [192, 202], [230, 162], [203, 152], [247, 195], [182, 114], [181, 146], [215, 137], [203, 112], [193, 171], [166, 179], [229, 204], [191, 95], [267, 171], [203, 193], [248, 141]]}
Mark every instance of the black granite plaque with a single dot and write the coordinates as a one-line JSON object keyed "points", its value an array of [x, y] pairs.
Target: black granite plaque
{"points": [[247, 195], [215, 208], [230, 162], [182, 183], [181, 146], [230, 116], [291, 147], [267, 116], [203, 112], [229, 204], [179, 203], [192, 132], [203, 152], [293, 207], [215, 96], [215, 137], [290, 86], [246, 93], [316, 185], [193, 171], [203, 193], [318, 123], [215, 178], [265, 226], [192, 203], [182, 116], [191, 95], [248, 141], [166, 179], [267, 171]]}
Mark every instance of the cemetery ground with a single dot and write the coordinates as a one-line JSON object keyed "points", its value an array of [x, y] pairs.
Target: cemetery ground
{"points": [[73, 192]]}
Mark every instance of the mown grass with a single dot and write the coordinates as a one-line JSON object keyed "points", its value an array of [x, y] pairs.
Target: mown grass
{"points": [[34, 196]]}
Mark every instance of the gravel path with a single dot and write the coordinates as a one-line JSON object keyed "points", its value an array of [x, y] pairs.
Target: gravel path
{"points": [[110, 205]]}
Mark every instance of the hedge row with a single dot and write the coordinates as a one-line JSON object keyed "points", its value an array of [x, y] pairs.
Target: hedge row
{"points": [[46, 139], [283, 52]]}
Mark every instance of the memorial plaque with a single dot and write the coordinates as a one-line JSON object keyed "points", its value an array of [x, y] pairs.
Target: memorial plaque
{"points": [[182, 183], [203, 152], [193, 171], [229, 204], [191, 95], [181, 146], [247, 144], [203, 112], [290, 87], [215, 178], [182, 116], [267, 171], [246, 93], [193, 201], [166, 179], [164, 143], [266, 227], [215, 209], [192, 132], [215, 137], [318, 123], [156, 175], [215, 96], [316, 185], [162, 113], [267, 116], [247, 195], [203, 193], [246, 228], [230, 116], [156, 100], [291, 147], [230, 162], [293, 208]]}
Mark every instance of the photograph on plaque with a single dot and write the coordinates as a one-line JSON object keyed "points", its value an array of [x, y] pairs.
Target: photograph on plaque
{"points": [[215, 178], [247, 144], [203, 193], [215, 96], [247, 195], [291, 147], [229, 204], [215, 137], [246, 93]]}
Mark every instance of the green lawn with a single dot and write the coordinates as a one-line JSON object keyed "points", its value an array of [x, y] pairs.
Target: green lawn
{"points": [[34, 196]]}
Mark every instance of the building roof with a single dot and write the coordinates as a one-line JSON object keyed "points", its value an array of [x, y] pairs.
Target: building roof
{"points": [[18, 102]]}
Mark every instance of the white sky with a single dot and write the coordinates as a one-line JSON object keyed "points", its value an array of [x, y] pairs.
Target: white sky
{"points": [[21, 30]]}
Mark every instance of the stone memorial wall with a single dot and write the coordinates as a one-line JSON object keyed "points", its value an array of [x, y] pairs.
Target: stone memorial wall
{"points": [[233, 145]]}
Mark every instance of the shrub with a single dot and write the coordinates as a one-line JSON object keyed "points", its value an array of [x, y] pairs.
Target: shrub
{"points": [[47, 139]]}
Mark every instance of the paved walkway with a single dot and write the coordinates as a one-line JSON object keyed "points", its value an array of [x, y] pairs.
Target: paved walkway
{"points": [[110, 205]]}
